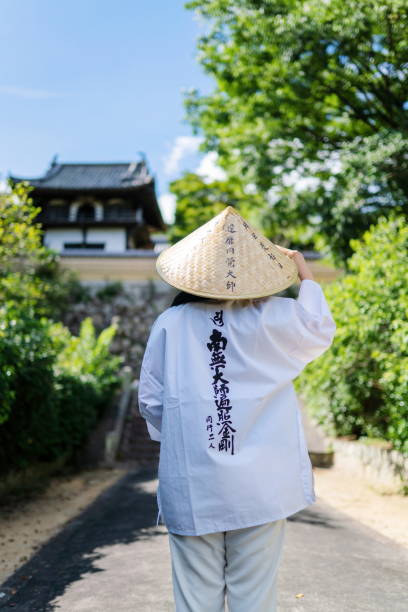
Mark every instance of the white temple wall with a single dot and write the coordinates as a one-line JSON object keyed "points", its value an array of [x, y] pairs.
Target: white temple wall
{"points": [[55, 238], [113, 237]]}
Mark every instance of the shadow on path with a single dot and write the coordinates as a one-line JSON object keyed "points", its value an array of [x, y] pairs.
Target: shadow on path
{"points": [[313, 516], [117, 516], [113, 557]]}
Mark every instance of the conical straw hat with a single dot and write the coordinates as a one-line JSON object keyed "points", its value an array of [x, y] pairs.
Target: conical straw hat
{"points": [[226, 258]]}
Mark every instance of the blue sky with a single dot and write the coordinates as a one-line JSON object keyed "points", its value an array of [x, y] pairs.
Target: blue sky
{"points": [[98, 80]]}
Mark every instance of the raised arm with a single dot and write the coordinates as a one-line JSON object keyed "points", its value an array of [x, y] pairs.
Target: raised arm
{"points": [[304, 271], [312, 322], [306, 327]]}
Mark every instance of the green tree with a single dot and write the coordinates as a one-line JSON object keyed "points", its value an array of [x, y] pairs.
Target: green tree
{"points": [[305, 93], [198, 201], [30, 274], [360, 386], [53, 386], [24, 345]]}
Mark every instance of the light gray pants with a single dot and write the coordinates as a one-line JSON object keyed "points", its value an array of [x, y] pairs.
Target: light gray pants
{"points": [[241, 564]]}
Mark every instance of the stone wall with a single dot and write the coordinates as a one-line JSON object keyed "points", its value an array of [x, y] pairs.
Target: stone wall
{"points": [[133, 305], [385, 469]]}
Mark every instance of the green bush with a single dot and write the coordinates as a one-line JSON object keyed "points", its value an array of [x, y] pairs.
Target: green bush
{"points": [[110, 291], [53, 386], [360, 385], [87, 357], [59, 384], [30, 274], [26, 358]]}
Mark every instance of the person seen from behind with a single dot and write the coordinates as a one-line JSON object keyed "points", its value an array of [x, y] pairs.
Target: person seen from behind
{"points": [[216, 390]]}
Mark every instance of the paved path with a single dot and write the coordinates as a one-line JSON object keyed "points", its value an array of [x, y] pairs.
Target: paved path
{"points": [[112, 558]]}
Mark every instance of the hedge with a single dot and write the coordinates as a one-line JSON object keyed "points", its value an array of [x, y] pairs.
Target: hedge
{"points": [[53, 386], [57, 386], [360, 385]]}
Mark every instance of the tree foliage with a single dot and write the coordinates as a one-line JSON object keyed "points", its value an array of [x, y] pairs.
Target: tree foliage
{"points": [[199, 200], [30, 274], [53, 386], [310, 106], [360, 386]]}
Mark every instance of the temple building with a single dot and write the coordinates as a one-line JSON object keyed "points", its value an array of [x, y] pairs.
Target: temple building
{"points": [[91, 208]]}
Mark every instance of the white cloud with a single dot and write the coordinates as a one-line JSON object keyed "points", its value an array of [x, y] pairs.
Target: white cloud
{"points": [[182, 147], [208, 168], [167, 203], [4, 188], [26, 92]]}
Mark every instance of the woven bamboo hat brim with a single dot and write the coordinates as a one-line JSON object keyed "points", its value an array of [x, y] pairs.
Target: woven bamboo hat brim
{"points": [[226, 258]]}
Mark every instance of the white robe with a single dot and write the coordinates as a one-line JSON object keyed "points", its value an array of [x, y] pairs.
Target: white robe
{"points": [[216, 390]]}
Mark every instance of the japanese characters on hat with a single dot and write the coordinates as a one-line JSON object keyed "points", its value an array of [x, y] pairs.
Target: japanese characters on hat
{"points": [[226, 258]]}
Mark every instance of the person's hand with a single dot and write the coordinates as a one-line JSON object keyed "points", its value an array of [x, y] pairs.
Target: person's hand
{"points": [[289, 252], [303, 269]]}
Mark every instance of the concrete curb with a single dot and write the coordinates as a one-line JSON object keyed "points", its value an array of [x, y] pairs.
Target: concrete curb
{"points": [[386, 469]]}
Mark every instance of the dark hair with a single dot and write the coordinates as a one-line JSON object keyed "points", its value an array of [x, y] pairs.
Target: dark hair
{"points": [[183, 297]]}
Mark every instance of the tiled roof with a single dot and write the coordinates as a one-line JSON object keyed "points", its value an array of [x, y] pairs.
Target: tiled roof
{"points": [[79, 176], [125, 176]]}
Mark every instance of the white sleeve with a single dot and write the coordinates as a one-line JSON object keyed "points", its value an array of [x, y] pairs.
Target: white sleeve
{"points": [[150, 394], [313, 322], [302, 328]]}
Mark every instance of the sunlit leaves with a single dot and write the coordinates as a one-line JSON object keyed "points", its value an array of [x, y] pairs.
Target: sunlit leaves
{"points": [[331, 75], [199, 200], [360, 385]]}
